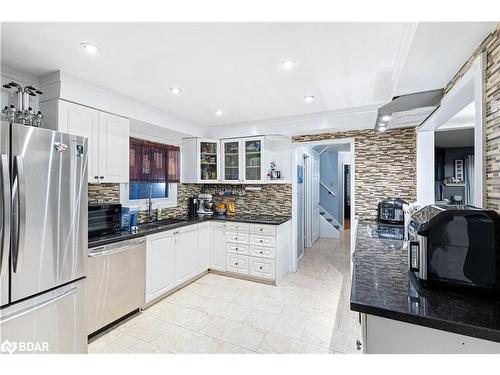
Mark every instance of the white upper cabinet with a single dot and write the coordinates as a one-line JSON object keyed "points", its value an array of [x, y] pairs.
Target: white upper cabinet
{"points": [[243, 160], [235, 161], [253, 160], [108, 137], [113, 148], [231, 161], [82, 121], [200, 160]]}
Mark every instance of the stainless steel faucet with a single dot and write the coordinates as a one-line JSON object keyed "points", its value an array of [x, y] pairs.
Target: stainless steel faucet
{"points": [[150, 205]]}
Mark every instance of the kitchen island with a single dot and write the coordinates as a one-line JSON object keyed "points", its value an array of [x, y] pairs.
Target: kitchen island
{"points": [[400, 316]]}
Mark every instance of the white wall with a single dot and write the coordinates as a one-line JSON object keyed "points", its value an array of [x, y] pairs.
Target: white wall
{"points": [[425, 168]]}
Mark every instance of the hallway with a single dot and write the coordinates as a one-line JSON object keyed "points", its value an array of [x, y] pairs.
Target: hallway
{"points": [[307, 313]]}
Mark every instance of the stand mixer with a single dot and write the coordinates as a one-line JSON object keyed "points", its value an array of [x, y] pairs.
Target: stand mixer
{"points": [[205, 204]]}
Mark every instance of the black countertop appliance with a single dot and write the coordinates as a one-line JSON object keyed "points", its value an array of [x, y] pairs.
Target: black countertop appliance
{"points": [[455, 246], [104, 219], [391, 211]]}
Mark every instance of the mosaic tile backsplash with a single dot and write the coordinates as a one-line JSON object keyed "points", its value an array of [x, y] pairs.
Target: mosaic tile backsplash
{"points": [[275, 199]]}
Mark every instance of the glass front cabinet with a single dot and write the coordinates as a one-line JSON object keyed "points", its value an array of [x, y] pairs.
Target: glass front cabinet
{"points": [[242, 160], [208, 160]]}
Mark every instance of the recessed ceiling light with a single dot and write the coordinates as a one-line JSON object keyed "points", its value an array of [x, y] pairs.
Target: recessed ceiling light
{"points": [[218, 112], [309, 98], [386, 118], [288, 64], [90, 48], [175, 90]]}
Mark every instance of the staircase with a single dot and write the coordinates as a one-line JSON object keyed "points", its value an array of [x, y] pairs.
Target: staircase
{"points": [[328, 226]]}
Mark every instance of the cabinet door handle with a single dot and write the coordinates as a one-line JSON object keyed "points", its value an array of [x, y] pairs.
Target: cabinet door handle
{"points": [[236, 264], [261, 241], [358, 345], [102, 177], [261, 252], [260, 267], [261, 229], [96, 177], [236, 248]]}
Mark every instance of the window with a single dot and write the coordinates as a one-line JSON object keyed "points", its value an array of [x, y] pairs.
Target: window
{"points": [[142, 190], [155, 171]]}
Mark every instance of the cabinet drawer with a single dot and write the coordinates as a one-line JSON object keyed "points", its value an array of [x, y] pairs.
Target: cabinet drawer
{"points": [[237, 238], [262, 268], [237, 263], [266, 241], [237, 227], [263, 252], [237, 249], [269, 230]]}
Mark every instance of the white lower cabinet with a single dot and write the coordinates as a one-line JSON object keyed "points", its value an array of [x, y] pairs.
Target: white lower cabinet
{"points": [[160, 264], [177, 256], [257, 250], [173, 257], [387, 336], [260, 267], [218, 246], [237, 263], [186, 250], [203, 256]]}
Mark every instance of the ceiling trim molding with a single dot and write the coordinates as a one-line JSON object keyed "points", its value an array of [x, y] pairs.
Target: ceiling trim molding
{"points": [[68, 87], [320, 122]]}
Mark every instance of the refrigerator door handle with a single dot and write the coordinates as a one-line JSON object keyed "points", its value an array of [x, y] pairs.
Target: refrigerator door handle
{"points": [[21, 212], [5, 228], [40, 305]]}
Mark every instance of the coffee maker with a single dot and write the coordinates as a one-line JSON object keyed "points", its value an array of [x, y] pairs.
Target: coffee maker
{"points": [[205, 204]]}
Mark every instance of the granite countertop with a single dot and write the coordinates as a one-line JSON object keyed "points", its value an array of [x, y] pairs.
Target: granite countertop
{"points": [[169, 224], [382, 286]]}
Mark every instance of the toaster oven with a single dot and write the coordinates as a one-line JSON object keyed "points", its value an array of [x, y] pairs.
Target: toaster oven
{"points": [[455, 246]]}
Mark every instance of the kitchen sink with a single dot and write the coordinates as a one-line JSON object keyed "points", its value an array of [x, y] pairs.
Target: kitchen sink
{"points": [[161, 224]]}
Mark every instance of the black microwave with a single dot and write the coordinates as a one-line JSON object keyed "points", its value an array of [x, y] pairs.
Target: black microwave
{"points": [[455, 246], [104, 219]]}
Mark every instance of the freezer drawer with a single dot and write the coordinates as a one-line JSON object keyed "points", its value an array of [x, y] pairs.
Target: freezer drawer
{"points": [[116, 282], [53, 322]]}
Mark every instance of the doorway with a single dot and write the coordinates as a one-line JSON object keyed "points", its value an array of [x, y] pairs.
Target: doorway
{"points": [[347, 196], [323, 203]]}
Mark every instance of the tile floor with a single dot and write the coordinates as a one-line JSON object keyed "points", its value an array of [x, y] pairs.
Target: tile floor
{"points": [[307, 313]]}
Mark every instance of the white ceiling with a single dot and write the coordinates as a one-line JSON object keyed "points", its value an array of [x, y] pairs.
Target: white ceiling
{"points": [[234, 66]]}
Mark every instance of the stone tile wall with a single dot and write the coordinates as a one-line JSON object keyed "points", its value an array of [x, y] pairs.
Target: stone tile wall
{"points": [[491, 46], [385, 165]]}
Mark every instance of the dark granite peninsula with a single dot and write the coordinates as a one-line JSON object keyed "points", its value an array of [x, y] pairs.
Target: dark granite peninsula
{"points": [[383, 288]]}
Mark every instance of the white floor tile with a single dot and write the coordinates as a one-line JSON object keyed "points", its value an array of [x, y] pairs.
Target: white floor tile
{"points": [[239, 334]]}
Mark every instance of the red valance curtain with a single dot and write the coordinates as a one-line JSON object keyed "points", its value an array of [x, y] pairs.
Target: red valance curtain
{"points": [[153, 162]]}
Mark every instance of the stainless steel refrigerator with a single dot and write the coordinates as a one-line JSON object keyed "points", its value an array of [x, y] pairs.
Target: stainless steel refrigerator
{"points": [[43, 240]]}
